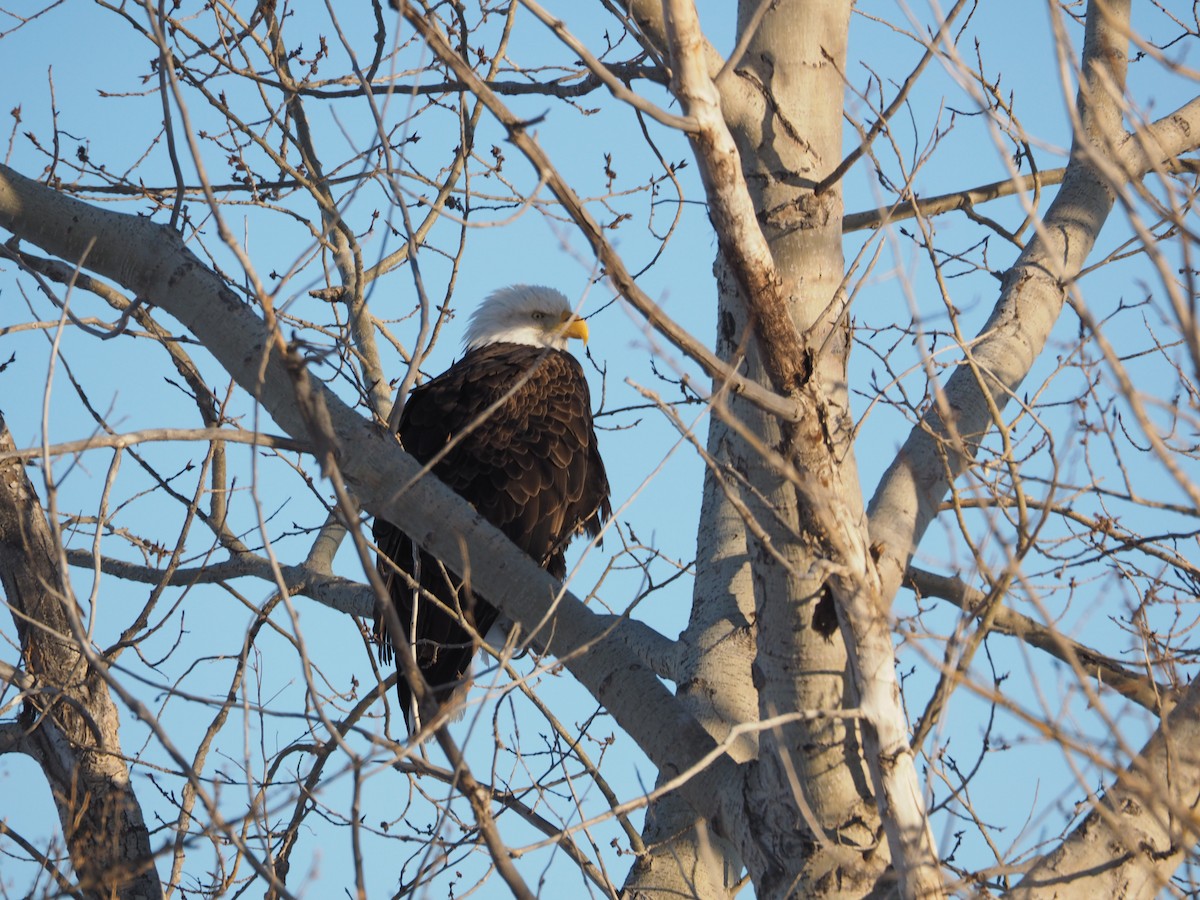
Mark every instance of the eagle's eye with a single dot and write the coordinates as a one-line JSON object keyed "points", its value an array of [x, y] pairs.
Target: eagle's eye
{"points": [[538, 316]]}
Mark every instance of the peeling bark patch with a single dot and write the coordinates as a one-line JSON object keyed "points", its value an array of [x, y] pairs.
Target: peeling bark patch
{"points": [[808, 365], [804, 212]]}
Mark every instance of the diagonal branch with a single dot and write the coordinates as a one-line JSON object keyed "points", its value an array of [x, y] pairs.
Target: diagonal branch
{"points": [[1141, 689], [898, 101], [1143, 827], [910, 207], [614, 266], [735, 219], [597, 67], [70, 720], [153, 262], [943, 444]]}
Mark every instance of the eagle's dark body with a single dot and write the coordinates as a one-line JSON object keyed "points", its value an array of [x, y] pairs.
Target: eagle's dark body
{"points": [[531, 468]]}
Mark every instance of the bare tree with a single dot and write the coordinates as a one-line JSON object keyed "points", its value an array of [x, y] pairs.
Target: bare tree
{"points": [[973, 676]]}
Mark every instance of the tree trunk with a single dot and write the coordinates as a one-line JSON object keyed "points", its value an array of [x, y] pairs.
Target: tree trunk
{"points": [[70, 721], [763, 636]]}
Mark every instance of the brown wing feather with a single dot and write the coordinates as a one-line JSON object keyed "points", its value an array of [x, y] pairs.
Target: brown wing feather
{"points": [[531, 468]]}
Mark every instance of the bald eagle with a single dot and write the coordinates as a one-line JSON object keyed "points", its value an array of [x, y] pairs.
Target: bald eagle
{"points": [[509, 427]]}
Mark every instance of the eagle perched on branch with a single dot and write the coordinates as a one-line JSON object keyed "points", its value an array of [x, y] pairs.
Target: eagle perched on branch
{"points": [[509, 428]]}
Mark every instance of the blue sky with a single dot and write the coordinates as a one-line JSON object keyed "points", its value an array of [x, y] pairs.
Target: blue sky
{"points": [[104, 108]]}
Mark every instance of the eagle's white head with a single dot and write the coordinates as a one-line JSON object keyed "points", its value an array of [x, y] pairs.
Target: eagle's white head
{"points": [[524, 314]]}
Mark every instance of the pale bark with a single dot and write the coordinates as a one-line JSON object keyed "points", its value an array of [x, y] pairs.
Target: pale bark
{"points": [[1142, 828], [70, 721], [734, 213], [798, 62], [683, 856], [151, 260], [798, 53], [1133, 840], [944, 443], [789, 611]]}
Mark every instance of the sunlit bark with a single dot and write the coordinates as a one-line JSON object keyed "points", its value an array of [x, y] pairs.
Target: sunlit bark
{"points": [[70, 723], [781, 745]]}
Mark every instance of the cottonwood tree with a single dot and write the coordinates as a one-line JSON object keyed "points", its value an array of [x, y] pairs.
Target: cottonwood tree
{"points": [[942, 590]]}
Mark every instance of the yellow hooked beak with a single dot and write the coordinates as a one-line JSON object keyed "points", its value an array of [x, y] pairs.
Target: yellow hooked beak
{"points": [[575, 327]]}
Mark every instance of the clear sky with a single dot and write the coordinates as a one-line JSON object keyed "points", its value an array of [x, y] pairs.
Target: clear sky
{"points": [[85, 68]]}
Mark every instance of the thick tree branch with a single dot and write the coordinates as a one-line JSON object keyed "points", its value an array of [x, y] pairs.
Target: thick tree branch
{"points": [[730, 206], [944, 443], [152, 262], [72, 727], [1142, 690], [853, 577], [854, 581], [659, 652], [13, 738], [1139, 832]]}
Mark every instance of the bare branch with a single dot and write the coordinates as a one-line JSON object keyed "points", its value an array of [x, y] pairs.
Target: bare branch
{"points": [[943, 203], [157, 266], [742, 241], [601, 71], [1140, 829], [614, 266], [942, 445], [101, 818], [1141, 689], [155, 435]]}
